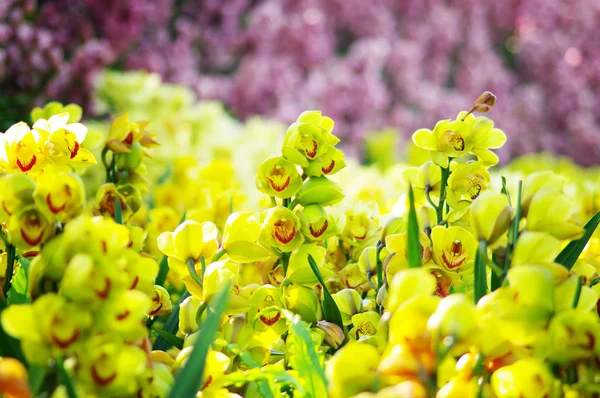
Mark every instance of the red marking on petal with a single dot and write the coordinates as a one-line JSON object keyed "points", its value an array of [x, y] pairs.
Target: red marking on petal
{"points": [[103, 294], [154, 312], [270, 321], [54, 209], [32, 240], [123, 315], [312, 153], [27, 166], [74, 150], [208, 381], [64, 344], [135, 282], [129, 139], [102, 381], [5, 209], [317, 233], [285, 238], [327, 170], [453, 263], [278, 187]]}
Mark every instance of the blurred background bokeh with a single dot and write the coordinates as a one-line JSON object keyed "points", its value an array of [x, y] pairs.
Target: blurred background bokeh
{"points": [[377, 65]]}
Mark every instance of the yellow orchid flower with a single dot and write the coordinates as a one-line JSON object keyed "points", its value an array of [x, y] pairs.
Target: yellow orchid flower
{"points": [[278, 177], [281, 229], [21, 149], [485, 136], [397, 245], [539, 248], [47, 327], [240, 238], [352, 369], [426, 177], [189, 241], [491, 215], [527, 377], [454, 249], [552, 211], [317, 225], [328, 163], [307, 138], [466, 182], [448, 139], [60, 195], [16, 192], [63, 140], [29, 228]]}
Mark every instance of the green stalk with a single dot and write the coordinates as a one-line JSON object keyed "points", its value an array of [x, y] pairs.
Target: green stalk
{"points": [[380, 247], [10, 264], [480, 283], [191, 266], [444, 182], [218, 255]]}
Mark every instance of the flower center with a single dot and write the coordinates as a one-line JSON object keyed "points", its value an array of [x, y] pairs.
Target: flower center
{"points": [[453, 140], [33, 229], [327, 170], [365, 329], [316, 230], [456, 256], [475, 186], [284, 230], [279, 178]]}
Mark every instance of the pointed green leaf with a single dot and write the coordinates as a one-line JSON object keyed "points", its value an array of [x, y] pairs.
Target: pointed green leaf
{"points": [[569, 255], [118, 212], [413, 246], [171, 326], [330, 308], [65, 379], [171, 338], [190, 378], [304, 358], [480, 282], [18, 292]]}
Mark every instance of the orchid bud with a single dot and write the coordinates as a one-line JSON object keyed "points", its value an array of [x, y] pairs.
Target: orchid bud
{"points": [[334, 335], [319, 190]]}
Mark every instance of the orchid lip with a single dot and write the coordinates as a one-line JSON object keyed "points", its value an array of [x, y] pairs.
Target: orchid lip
{"points": [[28, 165], [328, 169], [320, 231], [279, 187]]}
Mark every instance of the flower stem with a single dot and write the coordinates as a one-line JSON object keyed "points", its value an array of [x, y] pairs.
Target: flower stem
{"points": [[285, 260], [380, 246], [293, 204], [440, 206], [218, 255], [10, 264], [191, 266]]}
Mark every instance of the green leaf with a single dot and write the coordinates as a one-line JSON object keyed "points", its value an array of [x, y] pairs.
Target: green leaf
{"points": [[171, 338], [330, 308], [18, 292], [304, 358], [171, 326], [480, 283], [65, 379], [36, 375], [25, 263], [504, 190], [569, 255], [118, 212], [413, 246], [189, 380]]}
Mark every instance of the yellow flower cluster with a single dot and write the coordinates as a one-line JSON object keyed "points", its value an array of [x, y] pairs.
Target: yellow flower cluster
{"points": [[440, 278]]}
